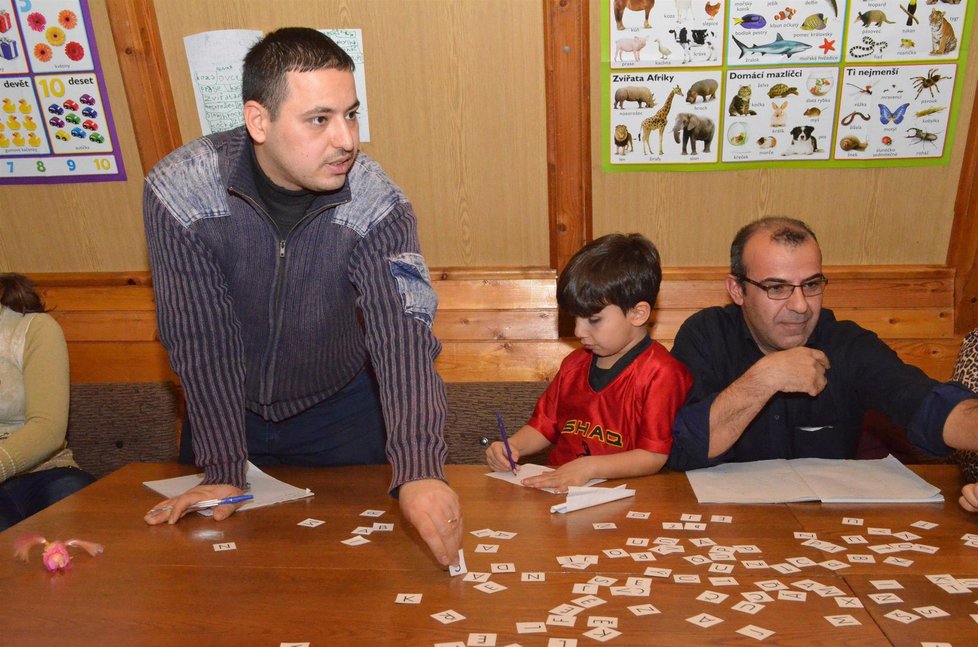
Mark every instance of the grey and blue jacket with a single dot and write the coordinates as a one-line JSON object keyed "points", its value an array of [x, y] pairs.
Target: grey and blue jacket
{"points": [[252, 321]]}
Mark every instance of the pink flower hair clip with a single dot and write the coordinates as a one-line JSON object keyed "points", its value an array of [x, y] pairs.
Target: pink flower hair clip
{"points": [[55, 556]]}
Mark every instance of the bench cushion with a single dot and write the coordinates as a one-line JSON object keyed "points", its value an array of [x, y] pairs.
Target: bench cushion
{"points": [[112, 425], [472, 408]]}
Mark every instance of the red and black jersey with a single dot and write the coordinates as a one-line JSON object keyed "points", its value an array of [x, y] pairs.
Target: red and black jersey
{"points": [[634, 411]]}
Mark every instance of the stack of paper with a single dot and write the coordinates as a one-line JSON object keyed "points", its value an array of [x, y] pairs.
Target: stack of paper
{"points": [[265, 489], [812, 479]]}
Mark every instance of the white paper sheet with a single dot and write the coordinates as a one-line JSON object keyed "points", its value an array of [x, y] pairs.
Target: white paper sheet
{"points": [[527, 470], [579, 498], [265, 489], [812, 479]]}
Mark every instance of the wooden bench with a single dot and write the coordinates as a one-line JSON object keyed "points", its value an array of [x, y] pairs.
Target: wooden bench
{"points": [[503, 326], [501, 336]]}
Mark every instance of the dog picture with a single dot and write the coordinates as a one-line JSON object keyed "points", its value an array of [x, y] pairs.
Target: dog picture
{"points": [[803, 141]]}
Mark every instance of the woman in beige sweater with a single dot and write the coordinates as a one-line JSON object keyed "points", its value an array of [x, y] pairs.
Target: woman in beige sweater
{"points": [[36, 467]]}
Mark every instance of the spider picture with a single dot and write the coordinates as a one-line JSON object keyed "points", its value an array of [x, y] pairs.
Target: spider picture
{"points": [[929, 82]]}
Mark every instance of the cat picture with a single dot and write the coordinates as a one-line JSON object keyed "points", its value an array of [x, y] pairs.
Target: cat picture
{"points": [[740, 103], [942, 38]]}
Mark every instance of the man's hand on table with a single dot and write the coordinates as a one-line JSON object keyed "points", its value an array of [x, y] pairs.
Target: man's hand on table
{"points": [[170, 510], [433, 509]]}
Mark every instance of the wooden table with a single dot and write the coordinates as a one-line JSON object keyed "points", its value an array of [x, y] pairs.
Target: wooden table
{"points": [[286, 583]]}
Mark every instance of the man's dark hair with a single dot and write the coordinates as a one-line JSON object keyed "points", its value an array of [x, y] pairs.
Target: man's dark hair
{"points": [[785, 231], [290, 49], [18, 293], [617, 269]]}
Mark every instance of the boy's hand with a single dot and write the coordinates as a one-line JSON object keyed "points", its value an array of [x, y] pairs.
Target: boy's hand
{"points": [[577, 473], [498, 460]]}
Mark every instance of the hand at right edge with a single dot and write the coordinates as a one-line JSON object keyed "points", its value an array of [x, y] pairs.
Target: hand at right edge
{"points": [[969, 497]]}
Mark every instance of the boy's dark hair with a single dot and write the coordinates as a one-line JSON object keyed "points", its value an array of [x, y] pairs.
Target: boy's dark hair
{"points": [[783, 230], [18, 293], [617, 269], [290, 49]]}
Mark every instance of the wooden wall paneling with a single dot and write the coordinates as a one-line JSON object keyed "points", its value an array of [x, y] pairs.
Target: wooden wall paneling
{"points": [[108, 326], [935, 357], [501, 294], [496, 324], [137, 45], [98, 298], [118, 361], [567, 45], [962, 253], [456, 95], [506, 361]]}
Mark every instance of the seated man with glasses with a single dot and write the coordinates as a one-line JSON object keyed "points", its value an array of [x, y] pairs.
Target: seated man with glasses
{"points": [[777, 376]]}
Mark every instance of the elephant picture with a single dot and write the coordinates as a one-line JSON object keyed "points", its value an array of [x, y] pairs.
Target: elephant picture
{"points": [[693, 128]]}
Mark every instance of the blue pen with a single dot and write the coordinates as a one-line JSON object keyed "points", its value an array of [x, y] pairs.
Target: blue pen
{"points": [[208, 503], [213, 503], [509, 452]]}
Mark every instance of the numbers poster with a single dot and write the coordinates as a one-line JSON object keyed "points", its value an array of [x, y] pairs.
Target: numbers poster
{"points": [[55, 120], [701, 85]]}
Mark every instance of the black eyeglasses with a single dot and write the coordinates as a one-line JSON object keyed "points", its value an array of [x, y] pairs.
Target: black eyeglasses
{"points": [[781, 291]]}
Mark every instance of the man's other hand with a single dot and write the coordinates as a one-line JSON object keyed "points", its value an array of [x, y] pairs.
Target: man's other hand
{"points": [[433, 509]]}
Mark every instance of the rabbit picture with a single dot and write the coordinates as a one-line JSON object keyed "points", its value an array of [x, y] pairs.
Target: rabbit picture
{"points": [[778, 117]]}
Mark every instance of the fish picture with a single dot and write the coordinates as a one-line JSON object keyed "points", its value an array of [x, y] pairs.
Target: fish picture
{"points": [[751, 21], [815, 22], [779, 47]]}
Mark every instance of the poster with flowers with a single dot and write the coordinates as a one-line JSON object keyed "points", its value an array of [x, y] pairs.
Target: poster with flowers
{"points": [[55, 120]]}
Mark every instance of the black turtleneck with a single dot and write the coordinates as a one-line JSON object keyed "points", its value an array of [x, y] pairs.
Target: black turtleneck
{"points": [[599, 378], [285, 206]]}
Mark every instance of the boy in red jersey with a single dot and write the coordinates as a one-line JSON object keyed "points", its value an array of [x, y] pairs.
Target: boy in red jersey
{"points": [[608, 412]]}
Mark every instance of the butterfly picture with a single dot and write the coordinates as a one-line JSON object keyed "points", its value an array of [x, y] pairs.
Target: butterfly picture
{"points": [[896, 116]]}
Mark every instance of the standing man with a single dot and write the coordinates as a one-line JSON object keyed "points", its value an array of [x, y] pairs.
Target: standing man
{"points": [[292, 296], [776, 376]]}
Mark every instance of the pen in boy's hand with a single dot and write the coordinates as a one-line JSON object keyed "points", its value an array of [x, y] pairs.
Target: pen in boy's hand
{"points": [[509, 452], [208, 503]]}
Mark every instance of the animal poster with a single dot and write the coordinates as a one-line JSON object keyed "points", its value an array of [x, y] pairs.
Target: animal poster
{"points": [[765, 107], [699, 85], [55, 121]]}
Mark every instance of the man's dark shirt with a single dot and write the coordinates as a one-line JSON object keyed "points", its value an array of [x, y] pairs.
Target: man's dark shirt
{"points": [[865, 374]]}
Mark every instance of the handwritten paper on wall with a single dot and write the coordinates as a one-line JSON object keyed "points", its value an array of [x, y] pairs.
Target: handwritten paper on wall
{"points": [[215, 59]]}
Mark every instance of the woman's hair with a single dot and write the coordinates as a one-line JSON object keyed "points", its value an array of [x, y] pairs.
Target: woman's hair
{"points": [[18, 293]]}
